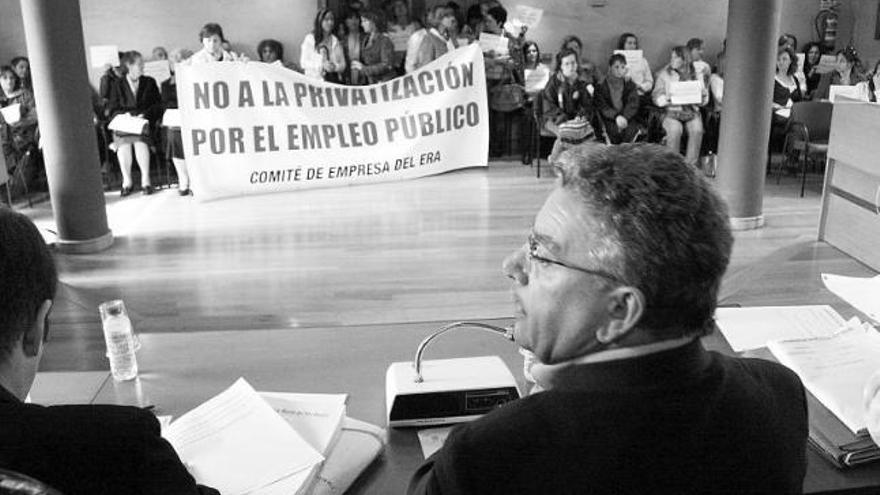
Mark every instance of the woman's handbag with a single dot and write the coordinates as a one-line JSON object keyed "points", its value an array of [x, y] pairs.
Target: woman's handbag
{"points": [[575, 130]]}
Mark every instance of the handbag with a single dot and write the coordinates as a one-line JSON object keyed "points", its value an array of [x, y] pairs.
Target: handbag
{"points": [[507, 96], [574, 130], [683, 114]]}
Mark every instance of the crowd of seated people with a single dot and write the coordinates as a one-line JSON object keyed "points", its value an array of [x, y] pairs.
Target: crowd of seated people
{"points": [[18, 125]]}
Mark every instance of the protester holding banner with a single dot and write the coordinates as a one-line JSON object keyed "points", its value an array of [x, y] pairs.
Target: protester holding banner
{"points": [[321, 54], [138, 95], [567, 104], [436, 42], [400, 29], [638, 71], [680, 116], [352, 39], [377, 54], [211, 36]]}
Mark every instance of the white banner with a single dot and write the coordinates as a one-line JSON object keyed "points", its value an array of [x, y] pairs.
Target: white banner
{"points": [[253, 128]]}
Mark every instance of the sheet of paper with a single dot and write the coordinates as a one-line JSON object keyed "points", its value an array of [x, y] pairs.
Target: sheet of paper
{"points": [[316, 417], [399, 39], [171, 117], [432, 439], [686, 93], [632, 56], [11, 113], [494, 43], [102, 55], [827, 63], [861, 293], [536, 79], [835, 369], [751, 328], [801, 57], [127, 123], [856, 92], [783, 112], [529, 16], [160, 70], [236, 443]]}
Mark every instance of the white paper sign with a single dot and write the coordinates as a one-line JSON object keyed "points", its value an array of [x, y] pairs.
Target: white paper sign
{"points": [[128, 124], [632, 56], [536, 79], [102, 55], [686, 93], [160, 70], [857, 92], [11, 113], [801, 58], [171, 117], [255, 129], [529, 16], [494, 43]]}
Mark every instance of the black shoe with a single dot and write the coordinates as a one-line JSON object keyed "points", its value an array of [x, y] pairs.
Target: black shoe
{"points": [[148, 190], [125, 192], [184, 192]]}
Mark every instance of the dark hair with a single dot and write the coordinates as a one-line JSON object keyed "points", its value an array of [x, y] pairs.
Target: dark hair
{"points": [[568, 39], [565, 52], [498, 13], [274, 45], [17, 85], [694, 43], [525, 51], [792, 67], [318, 31], [788, 36], [210, 29], [27, 276], [16, 60], [473, 16], [807, 47], [851, 56], [684, 54], [129, 57], [662, 229], [621, 42], [617, 57], [377, 18]]}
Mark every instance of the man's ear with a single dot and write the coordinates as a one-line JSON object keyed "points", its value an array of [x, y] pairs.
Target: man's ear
{"points": [[34, 336], [626, 305]]}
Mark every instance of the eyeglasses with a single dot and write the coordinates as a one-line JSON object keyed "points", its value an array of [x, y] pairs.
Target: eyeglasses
{"points": [[533, 256]]}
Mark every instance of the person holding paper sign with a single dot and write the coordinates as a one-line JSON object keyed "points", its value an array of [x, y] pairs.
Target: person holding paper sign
{"points": [[638, 72], [847, 72], [22, 67], [136, 95], [613, 290], [18, 122], [88, 449], [617, 102], [680, 117], [812, 53]]}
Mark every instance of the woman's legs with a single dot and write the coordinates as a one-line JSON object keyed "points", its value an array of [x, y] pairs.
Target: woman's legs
{"points": [[695, 140], [142, 152], [123, 154], [673, 130], [182, 173]]}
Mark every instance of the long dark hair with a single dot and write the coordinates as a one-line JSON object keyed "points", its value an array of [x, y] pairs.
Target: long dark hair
{"points": [[621, 42], [318, 31], [525, 52], [8, 68], [792, 67]]}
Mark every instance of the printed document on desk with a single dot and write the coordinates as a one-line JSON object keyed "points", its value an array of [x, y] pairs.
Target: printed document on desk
{"points": [[862, 293], [751, 328], [236, 443], [686, 93], [835, 369]]}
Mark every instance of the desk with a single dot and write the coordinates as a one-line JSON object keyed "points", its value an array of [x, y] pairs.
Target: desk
{"points": [[354, 360]]}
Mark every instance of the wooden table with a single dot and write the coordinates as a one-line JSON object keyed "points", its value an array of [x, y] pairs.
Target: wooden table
{"points": [[180, 371]]}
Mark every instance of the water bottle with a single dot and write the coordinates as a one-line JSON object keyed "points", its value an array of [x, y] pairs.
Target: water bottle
{"points": [[120, 340]]}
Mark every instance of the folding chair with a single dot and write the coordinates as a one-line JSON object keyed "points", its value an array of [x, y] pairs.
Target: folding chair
{"points": [[540, 131], [806, 134]]}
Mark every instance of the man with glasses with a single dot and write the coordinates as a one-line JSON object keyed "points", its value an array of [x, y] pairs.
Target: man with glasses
{"points": [[75, 449], [612, 292]]}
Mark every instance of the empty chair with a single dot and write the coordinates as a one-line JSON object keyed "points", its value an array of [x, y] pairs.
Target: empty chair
{"points": [[806, 135]]}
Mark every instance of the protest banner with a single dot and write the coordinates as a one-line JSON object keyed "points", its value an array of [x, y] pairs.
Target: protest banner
{"points": [[252, 128]]}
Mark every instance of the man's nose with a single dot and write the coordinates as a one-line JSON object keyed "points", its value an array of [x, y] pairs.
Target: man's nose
{"points": [[514, 267]]}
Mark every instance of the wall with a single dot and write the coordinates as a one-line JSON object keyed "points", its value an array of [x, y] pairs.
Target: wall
{"points": [[142, 25]]}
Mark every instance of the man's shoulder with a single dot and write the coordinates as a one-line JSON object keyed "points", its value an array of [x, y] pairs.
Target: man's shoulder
{"points": [[88, 420]]}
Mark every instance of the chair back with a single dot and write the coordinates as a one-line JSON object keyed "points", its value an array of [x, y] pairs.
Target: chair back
{"points": [[816, 115]]}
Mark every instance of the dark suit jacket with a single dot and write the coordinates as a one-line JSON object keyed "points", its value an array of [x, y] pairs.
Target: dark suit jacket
{"points": [[683, 421], [147, 101], [91, 449]]}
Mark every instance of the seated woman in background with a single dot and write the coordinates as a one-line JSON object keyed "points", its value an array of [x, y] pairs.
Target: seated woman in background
{"points": [[639, 73], [212, 39], [617, 102], [787, 88], [173, 141], [847, 72], [321, 54], [716, 82], [137, 95], [680, 117], [587, 71], [812, 54], [377, 55], [22, 67], [18, 134], [535, 73], [352, 39], [566, 99]]}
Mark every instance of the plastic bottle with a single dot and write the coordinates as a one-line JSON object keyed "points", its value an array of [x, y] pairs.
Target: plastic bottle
{"points": [[121, 345]]}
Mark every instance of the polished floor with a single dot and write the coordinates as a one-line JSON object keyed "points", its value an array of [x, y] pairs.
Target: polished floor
{"points": [[418, 251]]}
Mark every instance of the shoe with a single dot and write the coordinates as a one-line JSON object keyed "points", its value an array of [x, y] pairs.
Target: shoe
{"points": [[148, 190], [184, 192], [125, 192]]}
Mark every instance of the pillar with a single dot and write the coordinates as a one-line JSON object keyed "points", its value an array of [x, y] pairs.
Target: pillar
{"points": [[752, 27], [53, 31]]}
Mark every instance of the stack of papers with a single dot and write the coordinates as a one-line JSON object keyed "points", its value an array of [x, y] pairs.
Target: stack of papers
{"points": [[751, 328], [686, 93], [268, 443], [12, 113], [128, 124], [862, 293]]}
